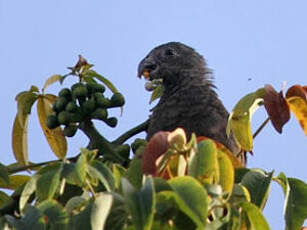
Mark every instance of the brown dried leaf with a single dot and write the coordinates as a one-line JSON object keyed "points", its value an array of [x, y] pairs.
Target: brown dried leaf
{"points": [[277, 107], [297, 91], [55, 137]]}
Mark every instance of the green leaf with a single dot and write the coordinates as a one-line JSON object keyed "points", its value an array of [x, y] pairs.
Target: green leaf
{"points": [[48, 183], [140, 203], [258, 183], [54, 78], [4, 198], [76, 202], [33, 219], [28, 190], [239, 119], [15, 182], [239, 194], [100, 210], [105, 81], [255, 216], [118, 173], [4, 175], [103, 173], [80, 170], [134, 173], [88, 218], [55, 214], [119, 215], [204, 164], [191, 198], [157, 93], [295, 208]]}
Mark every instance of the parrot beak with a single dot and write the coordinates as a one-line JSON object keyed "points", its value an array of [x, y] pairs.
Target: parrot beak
{"points": [[146, 66]]}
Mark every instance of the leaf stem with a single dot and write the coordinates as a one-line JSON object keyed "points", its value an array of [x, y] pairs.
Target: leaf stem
{"points": [[261, 127], [130, 133]]}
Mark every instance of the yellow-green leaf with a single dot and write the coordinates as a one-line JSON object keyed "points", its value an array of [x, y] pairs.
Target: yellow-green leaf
{"points": [[15, 182], [239, 119], [204, 164], [255, 216], [298, 106], [4, 198], [54, 78], [55, 137], [92, 73], [226, 172], [20, 140], [157, 93], [25, 100]]}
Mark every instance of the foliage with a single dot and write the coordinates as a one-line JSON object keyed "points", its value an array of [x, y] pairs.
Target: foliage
{"points": [[168, 183]]}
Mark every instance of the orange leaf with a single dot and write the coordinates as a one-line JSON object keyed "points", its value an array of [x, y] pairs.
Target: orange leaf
{"points": [[20, 139], [277, 107], [299, 107], [55, 137]]}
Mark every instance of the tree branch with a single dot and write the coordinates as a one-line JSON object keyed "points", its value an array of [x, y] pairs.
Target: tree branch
{"points": [[130, 133], [97, 141]]}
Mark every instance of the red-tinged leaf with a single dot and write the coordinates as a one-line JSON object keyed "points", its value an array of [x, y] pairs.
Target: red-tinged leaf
{"points": [[156, 146], [277, 107], [297, 91], [55, 137], [20, 140]]}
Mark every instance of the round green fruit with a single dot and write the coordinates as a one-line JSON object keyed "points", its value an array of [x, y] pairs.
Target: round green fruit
{"points": [[52, 121], [95, 87], [60, 104], [100, 114], [123, 150], [80, 91], [70, 130], [64, 118], [112, 122], [76, 117], [71, 107], [65, 93], [117, 100], [138, 143], [89, 106], [101, 101]]}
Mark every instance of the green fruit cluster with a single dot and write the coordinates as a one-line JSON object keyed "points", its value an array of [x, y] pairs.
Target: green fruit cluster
{"points": [[82, 101]]}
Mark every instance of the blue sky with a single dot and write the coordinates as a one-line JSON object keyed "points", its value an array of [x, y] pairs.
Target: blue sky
{"points": [[262, 40]]}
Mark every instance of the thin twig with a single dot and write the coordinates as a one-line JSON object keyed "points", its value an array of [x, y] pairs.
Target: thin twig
{"points": [[130, 133], [261, 127]]}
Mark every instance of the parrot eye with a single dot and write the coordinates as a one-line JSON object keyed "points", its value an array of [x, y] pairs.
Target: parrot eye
{"points": [[169, 52]]}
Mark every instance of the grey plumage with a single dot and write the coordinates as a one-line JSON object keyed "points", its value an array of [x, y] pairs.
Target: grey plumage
{"points": [[189, 99]]}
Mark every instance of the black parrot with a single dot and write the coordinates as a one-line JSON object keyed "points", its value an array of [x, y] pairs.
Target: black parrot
{"points": [[189, 99]]}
